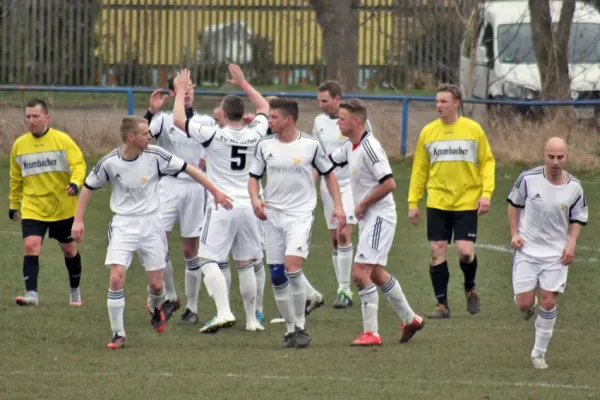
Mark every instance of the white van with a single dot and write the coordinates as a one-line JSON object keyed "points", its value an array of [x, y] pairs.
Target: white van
{"points": [[505, 64]]}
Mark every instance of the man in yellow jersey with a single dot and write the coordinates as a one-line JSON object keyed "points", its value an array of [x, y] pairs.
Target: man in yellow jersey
{"points": [[47, 170], [453, 159]]}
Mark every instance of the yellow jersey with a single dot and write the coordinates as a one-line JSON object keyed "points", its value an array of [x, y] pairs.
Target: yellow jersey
{"points": [[41, 168], [455, 163]]}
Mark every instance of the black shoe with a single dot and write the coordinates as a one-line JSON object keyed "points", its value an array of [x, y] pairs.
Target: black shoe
{"points": [[302, 338], [289, 341], [169, 307], [188, 318]]}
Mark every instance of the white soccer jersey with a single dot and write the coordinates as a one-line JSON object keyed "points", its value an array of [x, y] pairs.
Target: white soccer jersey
{"points": [[228, 152], [290, 187], [177, 142], [134, 182], [547, 210], [369, 166], [327, 130]]}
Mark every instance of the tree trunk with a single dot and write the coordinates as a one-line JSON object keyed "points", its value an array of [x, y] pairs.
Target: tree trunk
{"points": [[339, 22], [551, 47]]}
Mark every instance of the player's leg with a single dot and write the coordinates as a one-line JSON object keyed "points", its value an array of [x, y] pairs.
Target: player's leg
{"points": [[297, 231], [33, 236], [344, 252], [246, 246], [465, 235], [439, 234], [171, 195], [215, 244], [552, 281], [193, 281], [525, 273], [327, 202], [259, 273], [226, 271], [314, 299], [61, 232], [369, 300]]}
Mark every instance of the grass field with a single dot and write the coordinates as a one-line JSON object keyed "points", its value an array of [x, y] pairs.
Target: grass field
{"points": [[58, 352]]}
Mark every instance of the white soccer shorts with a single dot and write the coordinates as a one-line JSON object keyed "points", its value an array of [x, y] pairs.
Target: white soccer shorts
{"points": [[225, 231], [347, 202], [134, 234], [531, 272], [184, 201], [287, 235], [375, 239]]}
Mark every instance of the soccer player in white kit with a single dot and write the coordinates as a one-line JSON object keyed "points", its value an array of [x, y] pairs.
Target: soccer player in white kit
{"points": [[134, 171], [372, 189], [180, 199], [287, 209], [228, 152], [326, 129], [546, 209]]}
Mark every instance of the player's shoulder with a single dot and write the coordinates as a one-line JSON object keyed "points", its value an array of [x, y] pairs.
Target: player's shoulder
{"points": [[468, 122], [108, 157], [157, 151], [322, 117], [267, 140], [530, 174], [310, 138], [372, 147], [575, 183], [204, 119]]}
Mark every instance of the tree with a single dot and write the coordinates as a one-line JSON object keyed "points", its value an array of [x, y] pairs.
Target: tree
{"points": [[551, 47], [339, 22]]}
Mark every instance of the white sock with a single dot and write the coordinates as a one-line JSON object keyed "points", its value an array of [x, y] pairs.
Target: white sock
{"points": [[248, 290], [155, 299], [334, 261], [227, 274], [309, 290], [369, 299], [215, 284], [394, 294], [168, 280], [261, 278], [544, 327], [116, 308], [344, 266], [193, 283], [283, 299], [297, 281]]}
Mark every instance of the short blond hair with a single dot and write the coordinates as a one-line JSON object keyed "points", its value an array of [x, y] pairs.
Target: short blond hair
{"points": [[355, 107], [452, 89], [131, 124]]}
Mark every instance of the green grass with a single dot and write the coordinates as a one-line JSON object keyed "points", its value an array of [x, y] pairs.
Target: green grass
{"points": [[119, 100], [57, 352]]}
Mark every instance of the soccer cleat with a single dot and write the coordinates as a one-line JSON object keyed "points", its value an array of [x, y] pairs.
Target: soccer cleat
{"points": [[117, 342], [301, 338], [75, 297], [188, 318], [260, 317], [472, 302], [289, 341], [441, 311], [408, 331], [254, 326], [367, 338], [277, 320], [30, 299], [169, 307], [314, 302], [343, 300], [157, 319], [538, 361], [217, 323]]}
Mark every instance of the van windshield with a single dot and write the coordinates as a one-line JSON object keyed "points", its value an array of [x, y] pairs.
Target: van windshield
{"points": [[515, 45]]}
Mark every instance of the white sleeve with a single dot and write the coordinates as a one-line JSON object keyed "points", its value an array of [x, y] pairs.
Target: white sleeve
{"points": [[578, 212], [260, 124], [339, 157], [98, 177], [158, 125], [369, 126], [321, 162], [168, 164], [258, 165], [518, 193], [200, 131], [376, 161]]}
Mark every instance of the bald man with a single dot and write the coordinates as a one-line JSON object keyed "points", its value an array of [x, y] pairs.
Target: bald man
{"points": [[546, 209]]}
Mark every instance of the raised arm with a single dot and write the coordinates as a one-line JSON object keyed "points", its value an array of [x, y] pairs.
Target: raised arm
{"points": [[238, 79]]}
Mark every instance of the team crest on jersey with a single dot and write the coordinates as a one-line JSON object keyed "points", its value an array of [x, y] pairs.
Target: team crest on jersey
{"points": [[144, 180], [297, 161]]}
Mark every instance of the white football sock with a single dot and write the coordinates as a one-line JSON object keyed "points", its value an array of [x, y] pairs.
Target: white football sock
{"points": [[170, 293], [309, 290], [344, 266], [193, 283], [227, 274], [261, 278], [544, 327], [215, 283], [394, 294], [334, 261], [248, 291], [283, 299], [116, 308], [155, 299], [297, 281], [369, 299]]}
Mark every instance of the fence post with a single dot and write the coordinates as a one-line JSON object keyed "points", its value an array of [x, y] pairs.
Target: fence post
{"points": [[404, 125], [130, 102]]}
